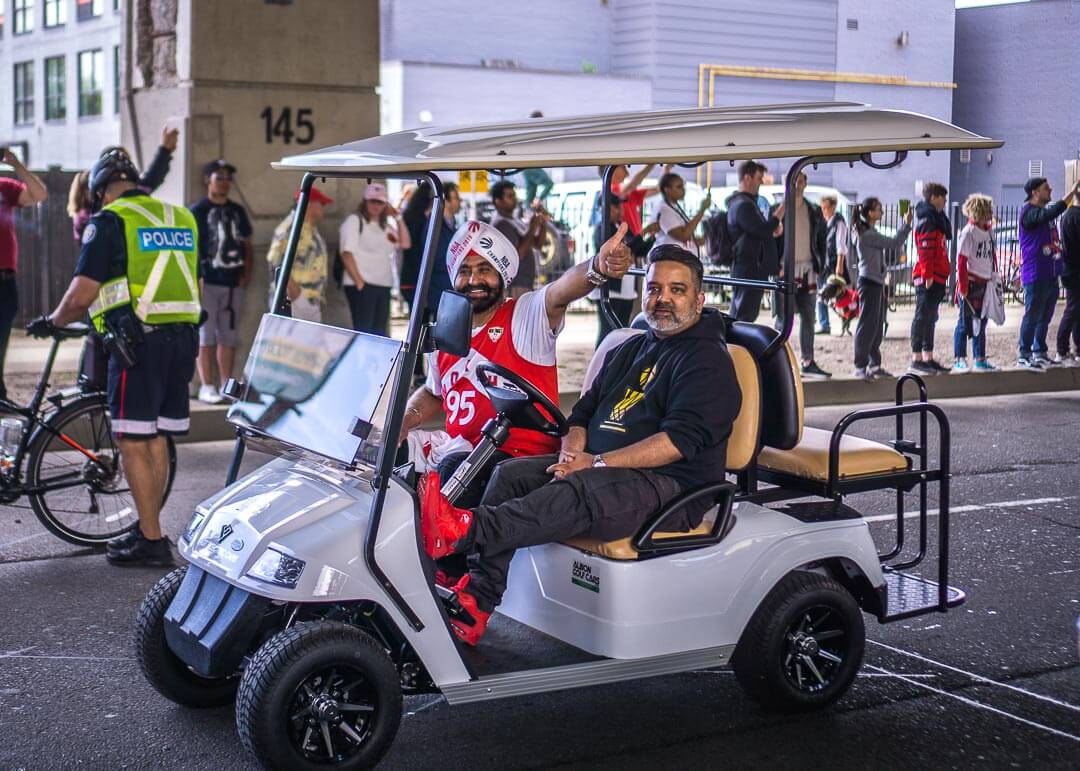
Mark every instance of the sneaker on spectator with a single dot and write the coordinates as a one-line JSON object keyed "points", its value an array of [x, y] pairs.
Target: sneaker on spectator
{"points": [[1046, 360], [1029, 363], [861, 374], [961, 366], [820, 330], [812, 370], [937, 366], [880, 373], [208, 394], [982, 365], [920, 367]]}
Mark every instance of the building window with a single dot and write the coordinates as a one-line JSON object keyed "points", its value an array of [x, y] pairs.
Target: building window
{"points": [[24, 93], [965, 156], [116, 78], [88, 9], [55, 13], [23, 11], [55, 88], [91, 69]]}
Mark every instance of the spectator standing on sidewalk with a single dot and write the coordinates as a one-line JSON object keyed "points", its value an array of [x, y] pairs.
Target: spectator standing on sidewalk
{"points": [[306, 289], [632, 194], [975, 267], [527, 237], [930, 274], [1070, 279], [753, 239], [868, 247], [809, 264], [676, 226], [621, 291], [225, 264], [80, 207], [836, 249], [27, 190], [1040, 266], [368, 242]]}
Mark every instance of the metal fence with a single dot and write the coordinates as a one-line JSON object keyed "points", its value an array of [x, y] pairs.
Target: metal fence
{"points": [[47, 248]]}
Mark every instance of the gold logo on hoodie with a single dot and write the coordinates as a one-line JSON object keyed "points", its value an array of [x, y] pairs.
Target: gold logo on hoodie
{"points": [[630, 399]]}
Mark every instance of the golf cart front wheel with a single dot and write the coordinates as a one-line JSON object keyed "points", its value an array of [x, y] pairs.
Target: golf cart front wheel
{"points": [[163, 669], [321, 694], [803, 645]]}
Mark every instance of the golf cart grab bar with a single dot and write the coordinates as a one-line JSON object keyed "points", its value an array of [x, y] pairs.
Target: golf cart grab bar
{"points": [[722, 492]]}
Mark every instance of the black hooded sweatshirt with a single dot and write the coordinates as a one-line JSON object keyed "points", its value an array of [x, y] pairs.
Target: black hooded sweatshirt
{"points": [[683, 385]]}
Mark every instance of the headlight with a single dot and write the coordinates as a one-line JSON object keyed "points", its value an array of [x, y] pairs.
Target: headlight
{"points": [[277, 568], [193, 525]]}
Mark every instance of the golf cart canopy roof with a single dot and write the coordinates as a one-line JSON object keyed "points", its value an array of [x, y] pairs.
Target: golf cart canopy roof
{"points": [[659, 136]]}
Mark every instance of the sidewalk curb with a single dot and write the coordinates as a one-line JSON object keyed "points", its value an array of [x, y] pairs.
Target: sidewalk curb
{"points": [[208, 423]]}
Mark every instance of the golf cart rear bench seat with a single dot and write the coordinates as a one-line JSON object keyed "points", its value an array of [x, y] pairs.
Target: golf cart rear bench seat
{"points": [[791, 449], [743, 444]]}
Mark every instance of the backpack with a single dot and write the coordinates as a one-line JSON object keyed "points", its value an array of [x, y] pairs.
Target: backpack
{"points": [[337, 270], [719, 249]]}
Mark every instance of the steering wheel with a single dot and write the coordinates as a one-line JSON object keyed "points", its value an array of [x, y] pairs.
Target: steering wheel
{"points": [[524, 404]]}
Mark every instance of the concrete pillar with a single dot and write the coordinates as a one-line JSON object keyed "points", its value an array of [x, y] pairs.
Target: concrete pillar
{"points": [[251, 81]]}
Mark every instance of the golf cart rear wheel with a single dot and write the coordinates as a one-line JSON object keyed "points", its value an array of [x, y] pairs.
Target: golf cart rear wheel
{"points": [[170, 676], [319, 694], [803, 645]]}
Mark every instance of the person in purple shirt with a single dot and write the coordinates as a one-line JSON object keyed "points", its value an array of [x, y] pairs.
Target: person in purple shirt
{"points": [[1041, 264]]}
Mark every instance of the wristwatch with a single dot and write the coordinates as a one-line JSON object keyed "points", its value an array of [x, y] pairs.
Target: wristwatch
{"points": [[599, 462], [594, 276]]}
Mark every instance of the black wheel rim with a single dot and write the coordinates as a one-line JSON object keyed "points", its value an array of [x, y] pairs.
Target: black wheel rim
{"points": [[815, 648], [332, 714]]}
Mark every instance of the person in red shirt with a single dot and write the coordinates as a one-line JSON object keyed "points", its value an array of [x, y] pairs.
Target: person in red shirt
{"points": [[14, 193], [632, 194], [516, 333]]}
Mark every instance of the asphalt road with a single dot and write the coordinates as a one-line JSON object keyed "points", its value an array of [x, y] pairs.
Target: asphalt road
{"points": [[992, 684]]}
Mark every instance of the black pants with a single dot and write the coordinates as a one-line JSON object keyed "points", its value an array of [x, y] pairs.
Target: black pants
{"points": [[622, 310], [746, 303], [1070, 319], [455, 564], [9, 306], [370, 308], [926, 316], [523, 506], [805, 302], [871, 326]]}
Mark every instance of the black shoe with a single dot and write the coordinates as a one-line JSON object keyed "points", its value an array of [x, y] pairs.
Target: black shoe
{"points": [[813, 370], [937, 366], [142, 552], [123, 540], [922, 368]]}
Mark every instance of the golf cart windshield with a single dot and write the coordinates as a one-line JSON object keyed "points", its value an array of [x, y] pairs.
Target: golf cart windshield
{"points": [[317, 388]]}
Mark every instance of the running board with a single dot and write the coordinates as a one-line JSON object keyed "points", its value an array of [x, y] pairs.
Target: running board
{"points": [[582, 675], [907, 595]]}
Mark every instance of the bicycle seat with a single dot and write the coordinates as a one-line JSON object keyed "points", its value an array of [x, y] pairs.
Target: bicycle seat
{"points": [[76, 329]]}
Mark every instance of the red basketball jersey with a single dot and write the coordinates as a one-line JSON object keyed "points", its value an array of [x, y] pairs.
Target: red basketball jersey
{"points": [[465, 403]]}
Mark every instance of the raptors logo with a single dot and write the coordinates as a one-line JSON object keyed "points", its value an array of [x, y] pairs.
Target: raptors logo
{"points": [[495, 333]]}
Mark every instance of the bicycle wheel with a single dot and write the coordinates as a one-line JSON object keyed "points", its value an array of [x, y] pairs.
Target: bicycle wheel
{"points": [[84, 503]]}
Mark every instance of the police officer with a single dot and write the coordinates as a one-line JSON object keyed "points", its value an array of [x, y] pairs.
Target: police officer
{"points": [[137, 278]]}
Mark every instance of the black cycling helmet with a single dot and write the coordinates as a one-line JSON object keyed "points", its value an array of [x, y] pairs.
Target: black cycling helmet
{"points": [[113, 165]]}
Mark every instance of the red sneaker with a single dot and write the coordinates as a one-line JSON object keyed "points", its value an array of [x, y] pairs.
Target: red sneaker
{"points": [[445, 580], [441, 523], [466, 619]]}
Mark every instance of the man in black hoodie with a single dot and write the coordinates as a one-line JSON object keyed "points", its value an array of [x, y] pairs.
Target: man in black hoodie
{"points": [[752, 238], [653, 424]]}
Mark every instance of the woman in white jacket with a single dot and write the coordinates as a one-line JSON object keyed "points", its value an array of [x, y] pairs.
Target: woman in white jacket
{"points": [[369, 240]]}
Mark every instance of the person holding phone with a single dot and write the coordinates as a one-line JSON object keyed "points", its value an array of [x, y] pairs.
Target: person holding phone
{"points": [[676, 226], [933, 231]]}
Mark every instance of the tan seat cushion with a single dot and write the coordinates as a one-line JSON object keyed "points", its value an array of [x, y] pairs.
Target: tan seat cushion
{"points": [[623, 550], [810, 457], [743, 442]]}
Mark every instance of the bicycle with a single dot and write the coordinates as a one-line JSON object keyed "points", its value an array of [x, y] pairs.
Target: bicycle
{"points": [[73, 473]]}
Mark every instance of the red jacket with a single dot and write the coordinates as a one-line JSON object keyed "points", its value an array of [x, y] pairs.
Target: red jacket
{"points": [[932, 232]]}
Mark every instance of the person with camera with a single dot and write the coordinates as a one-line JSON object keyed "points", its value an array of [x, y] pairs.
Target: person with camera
{"points": [[137, 278]]}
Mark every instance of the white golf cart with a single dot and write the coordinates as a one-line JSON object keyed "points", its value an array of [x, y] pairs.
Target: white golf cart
{"points": [[310, 601]]}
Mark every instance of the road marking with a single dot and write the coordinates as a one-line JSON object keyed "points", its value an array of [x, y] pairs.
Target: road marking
{"points": [[969, 508], [977, 704], [16, 655], [980, 678]]}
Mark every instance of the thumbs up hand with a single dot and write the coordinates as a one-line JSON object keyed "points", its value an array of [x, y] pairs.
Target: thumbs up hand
{"points": [[615, 258]]}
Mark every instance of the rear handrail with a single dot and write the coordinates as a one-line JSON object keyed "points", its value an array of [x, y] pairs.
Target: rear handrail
{"points": [[923, 409]]}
